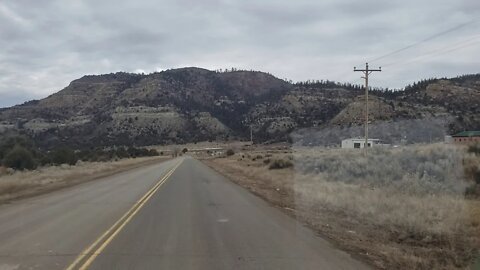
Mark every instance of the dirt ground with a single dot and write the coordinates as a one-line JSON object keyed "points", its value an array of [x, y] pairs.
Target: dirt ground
{"points": [[384, 245]]}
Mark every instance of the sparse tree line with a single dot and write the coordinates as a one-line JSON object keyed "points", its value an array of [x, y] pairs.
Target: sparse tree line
{"points": [[234, 69], [378, 91], [385, 92], [20, 153]]}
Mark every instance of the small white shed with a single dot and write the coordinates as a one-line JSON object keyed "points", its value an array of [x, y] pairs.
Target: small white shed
{"points": [[359, 143]]}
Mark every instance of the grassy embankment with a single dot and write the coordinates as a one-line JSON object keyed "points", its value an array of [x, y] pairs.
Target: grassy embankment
{"points": [[21, 184]]}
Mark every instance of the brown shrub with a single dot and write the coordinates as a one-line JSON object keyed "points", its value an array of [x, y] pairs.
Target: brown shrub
{"points": [[280, 164]]}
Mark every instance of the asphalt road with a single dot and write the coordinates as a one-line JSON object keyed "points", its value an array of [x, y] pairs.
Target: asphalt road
{"points": [[177, 214]]}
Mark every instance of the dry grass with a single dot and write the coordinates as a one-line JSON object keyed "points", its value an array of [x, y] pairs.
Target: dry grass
{"points": [[406, 210], [21, 184], [428, 214]]}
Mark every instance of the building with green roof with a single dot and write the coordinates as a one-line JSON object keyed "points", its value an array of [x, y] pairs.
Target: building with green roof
{"points": [[467, 137]]}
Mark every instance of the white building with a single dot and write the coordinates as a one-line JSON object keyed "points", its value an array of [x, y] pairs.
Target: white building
{"points": [[359, 143], [448, 139]]}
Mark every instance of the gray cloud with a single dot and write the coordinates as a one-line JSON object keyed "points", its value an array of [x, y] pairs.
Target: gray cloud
{"points": [[47, 44]]}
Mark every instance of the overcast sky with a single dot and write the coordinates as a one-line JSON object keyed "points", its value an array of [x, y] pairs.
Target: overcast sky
{"points": [[46, 44]]}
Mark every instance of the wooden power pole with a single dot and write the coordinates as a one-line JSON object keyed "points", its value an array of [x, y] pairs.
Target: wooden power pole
{"points": [[366, 72], [251, 134]]}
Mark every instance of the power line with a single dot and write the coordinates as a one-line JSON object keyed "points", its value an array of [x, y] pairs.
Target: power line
{"points": [[438, 52], [445, 50], [441, 51], [424, 40]]}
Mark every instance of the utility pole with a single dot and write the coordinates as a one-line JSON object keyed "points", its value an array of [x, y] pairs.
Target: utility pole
{"points": [[251, 134], [366, 72]]}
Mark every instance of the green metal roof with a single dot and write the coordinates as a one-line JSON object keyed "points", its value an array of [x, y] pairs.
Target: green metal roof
{"points": [[467, 134]]}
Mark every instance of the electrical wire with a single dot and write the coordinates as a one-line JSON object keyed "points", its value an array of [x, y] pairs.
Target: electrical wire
{"points": [[424, 40], [438, 52], [441, 51]]}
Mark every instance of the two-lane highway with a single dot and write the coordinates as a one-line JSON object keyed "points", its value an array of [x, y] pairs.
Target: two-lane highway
{"points": [[174, 215]]}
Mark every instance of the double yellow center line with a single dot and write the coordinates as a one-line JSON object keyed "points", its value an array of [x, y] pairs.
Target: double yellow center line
{"points": [[87, 256]]}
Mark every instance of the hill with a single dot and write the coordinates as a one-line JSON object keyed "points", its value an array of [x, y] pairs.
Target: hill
{"points": [[194, 104]]}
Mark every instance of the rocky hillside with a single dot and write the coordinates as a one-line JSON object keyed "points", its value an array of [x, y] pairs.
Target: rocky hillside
{"points": [[193, 104]]}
